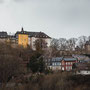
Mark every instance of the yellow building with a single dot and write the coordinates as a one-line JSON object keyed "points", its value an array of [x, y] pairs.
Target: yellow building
{"points": [[23, 40]]}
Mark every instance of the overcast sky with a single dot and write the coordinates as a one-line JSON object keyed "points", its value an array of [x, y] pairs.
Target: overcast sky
{"points": [[57, 18]]}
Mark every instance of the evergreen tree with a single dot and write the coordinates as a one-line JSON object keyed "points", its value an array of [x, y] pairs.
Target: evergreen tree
{"points": [[36, 63]]}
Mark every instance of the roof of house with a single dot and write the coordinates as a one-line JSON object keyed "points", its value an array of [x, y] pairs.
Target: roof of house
{"points": [[83, 66], [70, 59], [3, 34], [79, 56], [57, 59], [33, 34]]}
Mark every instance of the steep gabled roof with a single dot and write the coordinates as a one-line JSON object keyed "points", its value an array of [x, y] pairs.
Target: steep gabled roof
{"points": [[33, 34]]}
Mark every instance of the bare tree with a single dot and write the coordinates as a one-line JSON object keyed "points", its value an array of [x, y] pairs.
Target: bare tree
{"points": [[81, 42], [62, 43], [9, 66], [54, 47], [55, 44], [71, 43], [40, 44], [88, 38]]}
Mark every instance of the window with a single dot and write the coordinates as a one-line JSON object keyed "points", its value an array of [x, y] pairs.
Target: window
{"points": [[58, 63], [66, 63], [71, 67], [53, 64], [68, 68]]}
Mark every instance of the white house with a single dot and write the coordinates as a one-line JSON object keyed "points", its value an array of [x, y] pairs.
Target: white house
{"points": [[83, 68]]}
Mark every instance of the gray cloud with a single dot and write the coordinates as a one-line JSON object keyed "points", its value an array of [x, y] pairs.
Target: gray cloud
{"points": [[1, 1], [58, 18], [20, 0]]}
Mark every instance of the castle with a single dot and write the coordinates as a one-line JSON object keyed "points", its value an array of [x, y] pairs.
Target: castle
{"points": [[25, 38]]}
